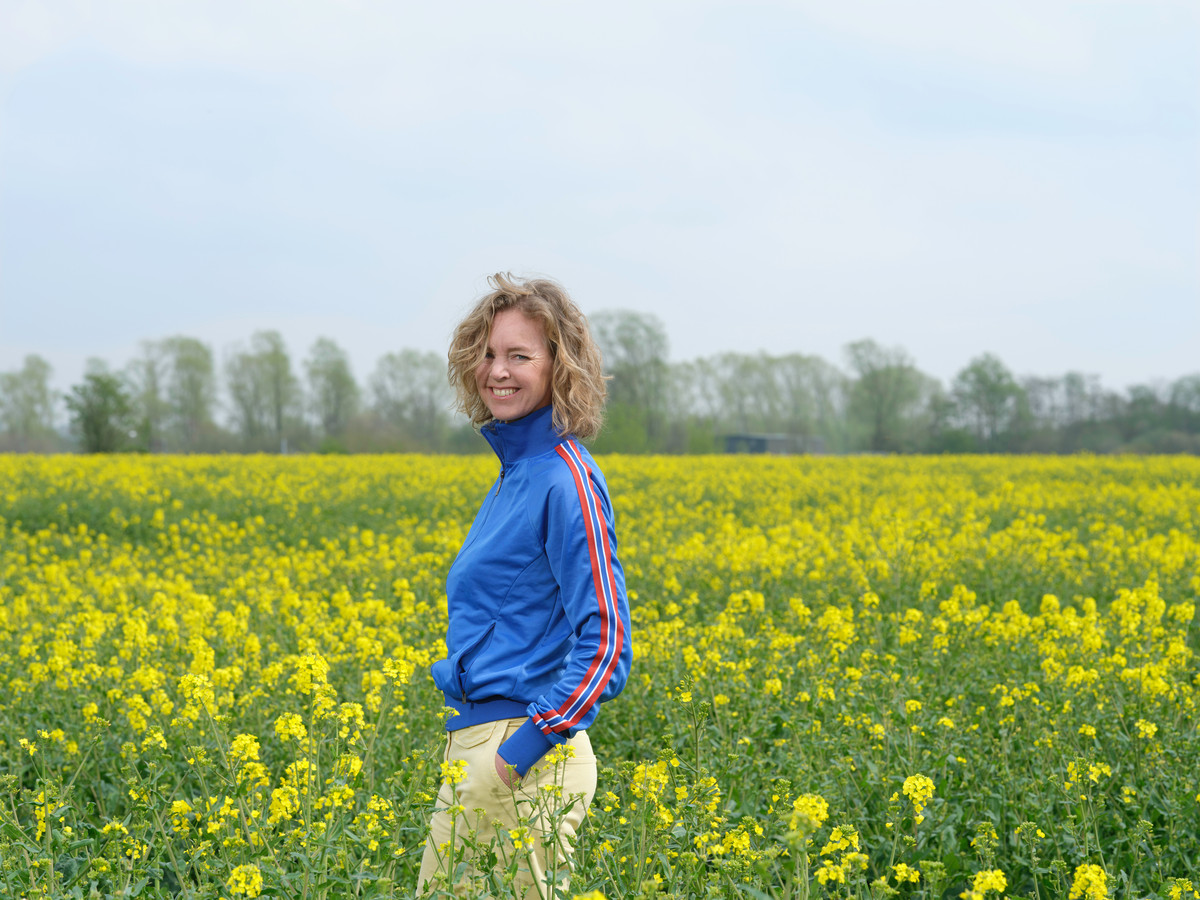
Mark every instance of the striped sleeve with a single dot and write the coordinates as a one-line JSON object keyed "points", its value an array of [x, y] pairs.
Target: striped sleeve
{"points": [[594, 598], [581, 549]]}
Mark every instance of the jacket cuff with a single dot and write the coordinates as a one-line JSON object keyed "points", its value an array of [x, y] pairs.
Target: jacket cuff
{"points": [[525, 747]]}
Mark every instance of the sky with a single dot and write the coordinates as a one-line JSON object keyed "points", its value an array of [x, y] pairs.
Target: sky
{"points": [[1018, 178]]}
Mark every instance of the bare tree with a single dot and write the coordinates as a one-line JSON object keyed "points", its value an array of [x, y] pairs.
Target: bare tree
{"points": [[1184, 404], [27, 405], [409, 393], [333, 392], [813, 396], [263, 390], [147, 376], [248, 401], [191, 392]]}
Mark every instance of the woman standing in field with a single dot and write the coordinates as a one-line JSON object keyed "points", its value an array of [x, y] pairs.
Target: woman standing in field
{"points": [[538, 635]]}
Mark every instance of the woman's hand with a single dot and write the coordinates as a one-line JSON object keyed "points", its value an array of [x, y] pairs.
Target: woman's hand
{"points": [[508, 775]]}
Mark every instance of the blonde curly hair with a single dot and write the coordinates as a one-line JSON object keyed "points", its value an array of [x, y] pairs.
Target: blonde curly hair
{"points": [[577, 377]]}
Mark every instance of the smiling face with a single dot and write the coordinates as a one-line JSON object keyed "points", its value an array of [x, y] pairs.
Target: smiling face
{"points": [[514, 377]]}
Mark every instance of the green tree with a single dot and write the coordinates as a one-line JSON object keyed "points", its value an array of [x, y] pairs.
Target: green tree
{"points": [[634, 346], [886, 395], [989, 400], [943, 433], [100, 410]]}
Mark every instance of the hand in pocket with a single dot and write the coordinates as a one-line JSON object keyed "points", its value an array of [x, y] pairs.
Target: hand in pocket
{"points": [[508, 776]]}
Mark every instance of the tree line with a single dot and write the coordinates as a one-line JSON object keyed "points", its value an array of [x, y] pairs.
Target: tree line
{"points": [[175, 395]]}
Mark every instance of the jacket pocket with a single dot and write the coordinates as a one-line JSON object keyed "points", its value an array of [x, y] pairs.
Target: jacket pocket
{"points": [[463, 660]]}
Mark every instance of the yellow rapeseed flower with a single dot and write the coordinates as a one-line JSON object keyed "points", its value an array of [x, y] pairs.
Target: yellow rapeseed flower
{"points": [[918, 789], [1090, 883], [245, 881], [809, 812]]}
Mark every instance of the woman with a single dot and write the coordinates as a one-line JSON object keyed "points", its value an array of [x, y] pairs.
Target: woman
{"points": [[539, 624]]}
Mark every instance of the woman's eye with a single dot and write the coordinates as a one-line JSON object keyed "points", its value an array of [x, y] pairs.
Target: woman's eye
{"points": [[519, 356]]}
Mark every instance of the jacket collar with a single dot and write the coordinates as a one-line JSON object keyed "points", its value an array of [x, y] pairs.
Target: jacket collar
{"points": [[531, 435]]}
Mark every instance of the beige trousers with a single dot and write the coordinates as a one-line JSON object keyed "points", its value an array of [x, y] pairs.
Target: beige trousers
{"points": [[483, 833]]}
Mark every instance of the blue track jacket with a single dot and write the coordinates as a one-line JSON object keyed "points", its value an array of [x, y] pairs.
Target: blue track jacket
{"points": [[539, 621]]}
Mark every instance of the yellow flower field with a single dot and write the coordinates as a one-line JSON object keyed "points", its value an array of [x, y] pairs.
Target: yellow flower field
{"points": [[931, 677]]}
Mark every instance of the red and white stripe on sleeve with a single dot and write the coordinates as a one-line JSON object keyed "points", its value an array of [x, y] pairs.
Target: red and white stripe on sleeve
{"points": [[612, 632]]}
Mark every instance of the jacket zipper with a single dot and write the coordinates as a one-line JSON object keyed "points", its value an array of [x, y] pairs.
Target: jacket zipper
{"points": [[491, 503]]}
